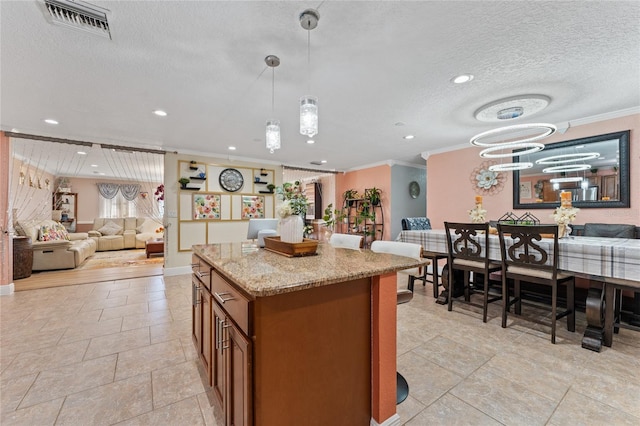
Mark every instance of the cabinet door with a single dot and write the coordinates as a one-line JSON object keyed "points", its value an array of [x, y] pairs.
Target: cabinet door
{"points": [[207, 310], [196, 314], [238, 350], [218, 379], [610, 187]]}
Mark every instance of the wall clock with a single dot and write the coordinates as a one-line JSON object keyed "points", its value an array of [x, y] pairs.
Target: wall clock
{"points": [[414, 189], [231, 180]]}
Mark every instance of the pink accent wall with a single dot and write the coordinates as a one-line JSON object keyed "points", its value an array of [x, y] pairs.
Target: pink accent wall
{"points": [[379, 177], [450, 193]]}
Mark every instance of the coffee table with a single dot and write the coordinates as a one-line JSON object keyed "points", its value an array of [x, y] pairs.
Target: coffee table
{"points": [[154, 247]]}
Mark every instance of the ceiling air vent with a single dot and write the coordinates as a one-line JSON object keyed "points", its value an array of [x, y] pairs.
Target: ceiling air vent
{"points": [[79, 15]]}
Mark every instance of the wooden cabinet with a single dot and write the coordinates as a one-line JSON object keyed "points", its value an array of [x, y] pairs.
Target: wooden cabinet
{"points": [[232, 352], [201, 311], [610, 187], [67, 203], [292, 357]]}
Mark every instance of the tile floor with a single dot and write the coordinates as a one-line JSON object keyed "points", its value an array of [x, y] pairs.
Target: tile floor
{"points": [[120, 352]]}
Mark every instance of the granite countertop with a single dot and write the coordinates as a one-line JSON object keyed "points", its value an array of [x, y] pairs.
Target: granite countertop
{"points": [[263, 273]]}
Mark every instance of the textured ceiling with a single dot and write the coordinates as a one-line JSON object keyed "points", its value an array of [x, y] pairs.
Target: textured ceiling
{"points": [[373, 64]]}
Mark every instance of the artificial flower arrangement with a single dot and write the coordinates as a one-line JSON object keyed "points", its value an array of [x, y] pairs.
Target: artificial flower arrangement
{"points": [[159, 193], [566, 213], [293, 199], [293, 203], [477, 214]]}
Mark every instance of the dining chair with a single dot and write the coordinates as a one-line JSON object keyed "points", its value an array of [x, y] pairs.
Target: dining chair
{"points": [[402, 295], [525, 257], [420, 224], [348, 241], [468, 251]]}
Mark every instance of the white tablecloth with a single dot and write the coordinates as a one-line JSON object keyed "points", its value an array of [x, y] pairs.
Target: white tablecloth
{"points": [[600, 257]]}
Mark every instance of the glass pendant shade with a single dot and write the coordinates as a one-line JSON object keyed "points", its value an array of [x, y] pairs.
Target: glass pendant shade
{"points": [[309, 116], [273, 135]]}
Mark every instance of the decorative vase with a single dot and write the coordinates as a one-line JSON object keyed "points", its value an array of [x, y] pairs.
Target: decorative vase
{"points": [[292, 229], [564, 231]]}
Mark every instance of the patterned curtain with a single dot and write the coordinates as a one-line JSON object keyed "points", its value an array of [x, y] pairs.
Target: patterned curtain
{"points": [[130, 191], [108, 190]]}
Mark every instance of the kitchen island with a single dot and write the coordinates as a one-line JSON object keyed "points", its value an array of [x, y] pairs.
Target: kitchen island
{"points": [[290, 341]]}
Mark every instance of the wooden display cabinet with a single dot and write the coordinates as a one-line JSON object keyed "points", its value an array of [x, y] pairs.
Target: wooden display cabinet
{"points": [[67, 203]]}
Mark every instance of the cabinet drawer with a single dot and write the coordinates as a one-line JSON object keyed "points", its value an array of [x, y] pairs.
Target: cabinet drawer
{"points": [[231, 300], [201, 270]]}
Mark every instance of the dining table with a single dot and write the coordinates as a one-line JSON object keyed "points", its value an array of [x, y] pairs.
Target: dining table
{"points": [[608, 264]]}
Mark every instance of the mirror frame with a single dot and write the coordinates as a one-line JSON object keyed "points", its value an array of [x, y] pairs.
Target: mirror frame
{"points": [[623, 172]]}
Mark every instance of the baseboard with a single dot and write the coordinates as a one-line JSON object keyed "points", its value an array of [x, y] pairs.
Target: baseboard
{"points": [[180, 270], [391, 421], [6, 290]]}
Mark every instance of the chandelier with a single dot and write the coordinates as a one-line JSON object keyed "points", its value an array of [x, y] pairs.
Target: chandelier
{"points": [[309, 104], [528, 144], [273, 126]]}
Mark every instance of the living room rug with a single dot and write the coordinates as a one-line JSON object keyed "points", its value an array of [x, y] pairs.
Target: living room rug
{"points": [[120, 258]]}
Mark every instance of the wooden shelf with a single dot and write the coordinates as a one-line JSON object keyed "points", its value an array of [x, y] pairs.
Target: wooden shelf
{"points": [[265, 192], [197, 178], [260, 183], [190, 188]]}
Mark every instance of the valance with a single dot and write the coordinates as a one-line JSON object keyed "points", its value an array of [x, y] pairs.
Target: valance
{"points": [[109, 190]]}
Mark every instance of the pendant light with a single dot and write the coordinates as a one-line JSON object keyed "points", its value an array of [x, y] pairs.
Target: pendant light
{"points": [[309, 104], [273, 126]]}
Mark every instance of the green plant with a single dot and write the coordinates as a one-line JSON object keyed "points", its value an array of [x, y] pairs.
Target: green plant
{"points": [[271, 187], [294, 200], [183, 181], [373, 195], [349, 195], [331, 216]]}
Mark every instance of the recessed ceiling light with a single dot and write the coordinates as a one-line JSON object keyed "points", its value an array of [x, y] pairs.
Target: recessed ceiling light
{"points": [[462, 78], [323, 161], [94, 165], [82, 153], [409, 137], [50, 121], [232, 148], [311, 141], [160, 113]]}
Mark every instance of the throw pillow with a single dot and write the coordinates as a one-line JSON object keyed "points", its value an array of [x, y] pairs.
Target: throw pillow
{"points": [[49, 233], [110, 228], [149, 226], [62, 231]]}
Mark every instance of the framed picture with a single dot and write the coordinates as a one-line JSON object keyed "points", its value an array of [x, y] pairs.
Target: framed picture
{"points": [[206, 206], [252, 207], [525, 189]]}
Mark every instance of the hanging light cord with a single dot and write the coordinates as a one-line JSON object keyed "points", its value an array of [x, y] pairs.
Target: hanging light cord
{"points": [[309, 61], [273, 88]]}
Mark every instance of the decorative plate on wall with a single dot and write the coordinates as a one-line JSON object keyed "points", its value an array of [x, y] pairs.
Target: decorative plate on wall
{"points": [[414, 189], [231, 180]]}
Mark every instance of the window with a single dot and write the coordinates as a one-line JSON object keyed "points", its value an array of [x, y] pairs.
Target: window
{"points": [[117, 207]]}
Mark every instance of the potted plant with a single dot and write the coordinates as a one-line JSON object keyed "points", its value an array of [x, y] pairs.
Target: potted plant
{"points": [[183, 181], [373, 194], [271, 187], [350, 195]]}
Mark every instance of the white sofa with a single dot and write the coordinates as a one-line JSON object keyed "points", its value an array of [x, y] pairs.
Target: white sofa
{"points": [[58, 253], [124, 233]]}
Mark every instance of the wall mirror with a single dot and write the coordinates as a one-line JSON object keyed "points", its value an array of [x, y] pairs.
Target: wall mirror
{"points": [[600, 181]]}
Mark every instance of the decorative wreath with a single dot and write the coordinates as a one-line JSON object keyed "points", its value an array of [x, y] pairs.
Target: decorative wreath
{"points": [[486, 182]]}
